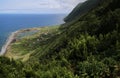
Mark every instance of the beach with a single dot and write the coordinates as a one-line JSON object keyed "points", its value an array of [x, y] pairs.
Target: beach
{"points": [[8, 42], [13, 37]]}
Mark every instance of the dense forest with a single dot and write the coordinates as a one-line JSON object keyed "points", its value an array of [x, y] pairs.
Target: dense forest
{"points": [[86, 46]]}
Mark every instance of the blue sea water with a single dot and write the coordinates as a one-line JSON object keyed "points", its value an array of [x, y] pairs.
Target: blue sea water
{"points": [[12, 22]]}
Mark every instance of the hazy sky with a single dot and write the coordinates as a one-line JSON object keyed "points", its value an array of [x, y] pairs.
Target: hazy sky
{"points": [[37, 6]]}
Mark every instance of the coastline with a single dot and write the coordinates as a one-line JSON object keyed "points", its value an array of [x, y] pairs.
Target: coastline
{"points": [[15, 38], [13, 48], [12, 38], [8, 42]]}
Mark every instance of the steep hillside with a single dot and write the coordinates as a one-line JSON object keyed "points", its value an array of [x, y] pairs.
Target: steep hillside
{"points": [[81, 8], [88, 46]]}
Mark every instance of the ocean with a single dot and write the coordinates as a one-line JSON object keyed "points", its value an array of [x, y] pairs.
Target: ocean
{"points": [[13, 22]]}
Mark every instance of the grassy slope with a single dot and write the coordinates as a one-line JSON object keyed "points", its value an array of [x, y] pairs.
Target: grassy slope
{"points": [[89, 45]]}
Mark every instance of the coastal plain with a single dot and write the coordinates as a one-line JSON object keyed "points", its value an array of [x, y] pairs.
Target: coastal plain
{"points": [[24, 42]]}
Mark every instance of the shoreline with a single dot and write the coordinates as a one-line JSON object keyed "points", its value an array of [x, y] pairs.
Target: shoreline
{"points": [[8, 42], [11, 38]]}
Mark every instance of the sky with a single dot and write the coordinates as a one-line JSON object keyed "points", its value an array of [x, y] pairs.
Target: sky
{"points": [[38, 6]]}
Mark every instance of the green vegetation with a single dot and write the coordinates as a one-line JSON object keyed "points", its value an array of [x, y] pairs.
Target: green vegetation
{"points": [[31, 41], [88, 46], [81, 8]]}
